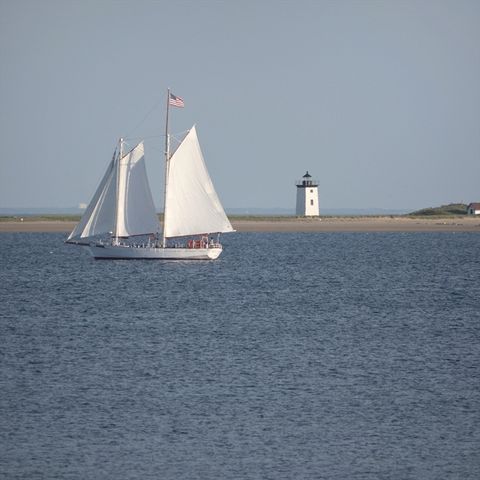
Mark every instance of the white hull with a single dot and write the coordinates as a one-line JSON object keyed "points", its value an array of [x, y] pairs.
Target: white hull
{"points": [[136, 253]]}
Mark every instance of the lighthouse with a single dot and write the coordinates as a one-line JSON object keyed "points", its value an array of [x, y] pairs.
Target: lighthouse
{"points": [[307, 197]]}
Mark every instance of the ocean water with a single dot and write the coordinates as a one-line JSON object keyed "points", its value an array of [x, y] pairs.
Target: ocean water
{"points": [[293, 356]]}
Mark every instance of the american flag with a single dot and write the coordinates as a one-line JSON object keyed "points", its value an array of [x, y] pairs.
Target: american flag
{"points": [[176, 101]]}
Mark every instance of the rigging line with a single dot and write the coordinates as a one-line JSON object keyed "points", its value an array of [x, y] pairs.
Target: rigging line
{"points": [[144, 138], [146, 116], [153, 147], [176, 136], [130, 146]]}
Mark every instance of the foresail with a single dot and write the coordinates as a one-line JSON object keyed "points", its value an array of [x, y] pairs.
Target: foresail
{"points": [[99, 217], [123, 204], [192, 204], [136, 211]]}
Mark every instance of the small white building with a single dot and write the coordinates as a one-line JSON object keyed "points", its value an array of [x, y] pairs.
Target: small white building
{"points": [[473, 209], [307, 197]]}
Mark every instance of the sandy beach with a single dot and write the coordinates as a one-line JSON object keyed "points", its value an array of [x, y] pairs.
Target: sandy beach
{"points": [[327, 224]]}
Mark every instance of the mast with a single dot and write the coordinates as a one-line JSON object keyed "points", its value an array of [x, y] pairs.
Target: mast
{"points": [[120, 154], [167, 161]]}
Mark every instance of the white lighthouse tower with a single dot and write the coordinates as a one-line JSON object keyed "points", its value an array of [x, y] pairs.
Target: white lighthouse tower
{"points": [[307, 197]]}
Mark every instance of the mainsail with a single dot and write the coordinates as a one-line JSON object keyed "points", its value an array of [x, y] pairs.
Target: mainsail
{"points": [[123, 204], [192, 206]]}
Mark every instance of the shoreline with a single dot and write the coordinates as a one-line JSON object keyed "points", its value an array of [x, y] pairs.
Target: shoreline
{"points": [[292, 224]]}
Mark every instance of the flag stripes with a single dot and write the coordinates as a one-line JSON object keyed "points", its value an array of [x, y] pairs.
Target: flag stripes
{"points": [[176, 101]]}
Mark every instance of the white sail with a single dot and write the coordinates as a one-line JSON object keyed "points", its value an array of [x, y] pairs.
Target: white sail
{"points": [[192, 206], [135, 210], [123, 200], [99, 217]]}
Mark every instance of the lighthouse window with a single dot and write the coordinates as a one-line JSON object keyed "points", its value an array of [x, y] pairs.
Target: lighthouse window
{"points": [[311, 191], [311, 202]]}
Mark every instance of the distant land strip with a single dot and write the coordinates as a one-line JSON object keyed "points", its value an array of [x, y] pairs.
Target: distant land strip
{"points": [[266, 224]]}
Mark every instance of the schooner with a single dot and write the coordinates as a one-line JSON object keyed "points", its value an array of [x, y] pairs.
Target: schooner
{"points": [[120, 221]]}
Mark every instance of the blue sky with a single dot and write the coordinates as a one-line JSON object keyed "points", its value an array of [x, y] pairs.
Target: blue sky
{"points": [[379, 100]]}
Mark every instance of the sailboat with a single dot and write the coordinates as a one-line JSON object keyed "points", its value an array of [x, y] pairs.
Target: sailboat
{"points": [[120, 221]]}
